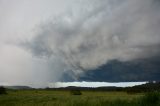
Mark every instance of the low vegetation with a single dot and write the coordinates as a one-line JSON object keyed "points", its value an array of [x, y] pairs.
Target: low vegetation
{"points": [[85, 98], [2, 90], [75, 92]]}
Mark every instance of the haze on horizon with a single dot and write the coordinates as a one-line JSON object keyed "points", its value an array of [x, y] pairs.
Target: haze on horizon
{"points": [[45, 41]]}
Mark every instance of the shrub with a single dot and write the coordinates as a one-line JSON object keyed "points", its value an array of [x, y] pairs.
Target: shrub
{"points": [[2, 90], [151, 99], [75, 92]]}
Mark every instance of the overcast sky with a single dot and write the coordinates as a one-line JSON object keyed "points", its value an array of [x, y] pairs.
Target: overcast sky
{"points": [[42, 39], [18, 22]]}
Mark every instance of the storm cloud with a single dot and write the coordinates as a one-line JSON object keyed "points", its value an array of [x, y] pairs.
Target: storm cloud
{"points": [[43, 41], [89, 36]]}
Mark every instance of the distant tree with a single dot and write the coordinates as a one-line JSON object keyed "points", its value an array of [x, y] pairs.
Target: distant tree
{"points": [[2, 90], [75, 92]]}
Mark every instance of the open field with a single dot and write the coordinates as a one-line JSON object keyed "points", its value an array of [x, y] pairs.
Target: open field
{"points": [[64, 98]]}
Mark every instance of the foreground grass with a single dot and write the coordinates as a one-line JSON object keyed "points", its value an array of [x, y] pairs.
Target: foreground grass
{"points": [[88, 98]]}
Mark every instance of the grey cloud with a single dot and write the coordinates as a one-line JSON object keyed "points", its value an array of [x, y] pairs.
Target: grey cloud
{"points": [[90, 36]]}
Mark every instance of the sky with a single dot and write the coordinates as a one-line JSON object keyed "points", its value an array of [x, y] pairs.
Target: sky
{"points": [[94, 84], [40, 40]]}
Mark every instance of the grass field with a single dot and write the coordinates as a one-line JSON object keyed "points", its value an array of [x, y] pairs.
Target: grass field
{"points": [[64, 98]]}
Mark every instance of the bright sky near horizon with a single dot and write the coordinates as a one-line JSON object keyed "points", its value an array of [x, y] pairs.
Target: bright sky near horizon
{"points": [[94, 84]]}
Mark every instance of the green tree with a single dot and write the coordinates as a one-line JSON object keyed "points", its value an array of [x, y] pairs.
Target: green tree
{"points": [[2, 90]]}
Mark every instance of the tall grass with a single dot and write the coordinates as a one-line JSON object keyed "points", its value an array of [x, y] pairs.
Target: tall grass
{"points": [[150, 99], [64, 98]]}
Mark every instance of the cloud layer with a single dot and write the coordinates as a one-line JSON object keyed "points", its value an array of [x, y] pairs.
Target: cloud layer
{"points": [[42, 40], [89, 36]]}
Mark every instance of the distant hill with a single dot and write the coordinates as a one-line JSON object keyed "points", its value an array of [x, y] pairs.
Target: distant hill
{"points": [[151, 86], [18, 87]]}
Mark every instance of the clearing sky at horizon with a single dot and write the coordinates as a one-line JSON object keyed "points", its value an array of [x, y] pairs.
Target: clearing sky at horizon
{"points": [[45, 41]]}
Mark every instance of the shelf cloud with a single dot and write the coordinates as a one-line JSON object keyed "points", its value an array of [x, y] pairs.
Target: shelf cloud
{"points": [[81, 36], [100, 31]]}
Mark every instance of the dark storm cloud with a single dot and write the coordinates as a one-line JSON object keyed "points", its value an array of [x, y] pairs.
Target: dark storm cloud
{"points": [[96, 32], [137, 70]]}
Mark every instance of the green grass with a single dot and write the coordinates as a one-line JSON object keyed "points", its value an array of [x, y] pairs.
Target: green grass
{"points": [[65, 98]]}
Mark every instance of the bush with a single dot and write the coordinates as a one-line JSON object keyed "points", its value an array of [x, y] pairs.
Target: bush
{"points": [[152, 98], [75, 92], [2, 90]]}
